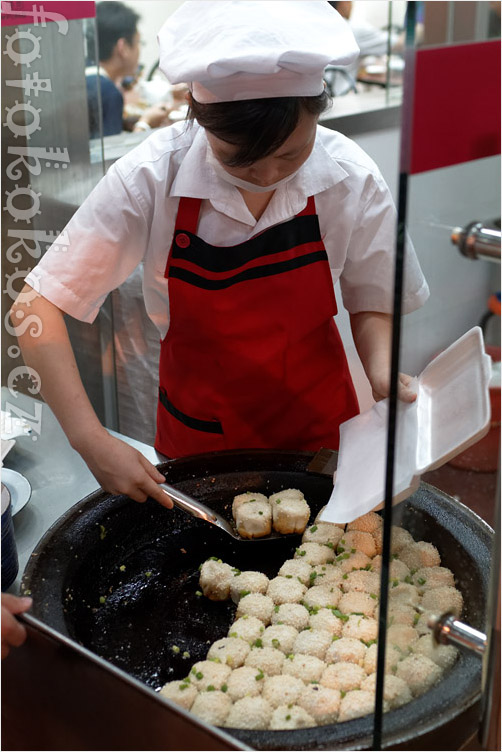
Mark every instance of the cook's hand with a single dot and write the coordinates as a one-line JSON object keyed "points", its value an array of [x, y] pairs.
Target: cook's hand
{"points": [[380, 385], [13, 632], [121, 469]]}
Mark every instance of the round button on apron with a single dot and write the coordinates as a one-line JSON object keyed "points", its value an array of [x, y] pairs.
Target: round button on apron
{"points": [[182, 240]]}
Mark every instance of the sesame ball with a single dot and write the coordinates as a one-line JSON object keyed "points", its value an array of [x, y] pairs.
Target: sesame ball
{"points": [[326, 620], [361, 628], [215, 579], [392, 658], [428, 578], [404, 594], [395, 690], [397, 569], [256, 604], [315, 553], [399, 614], [294, 614], [322, 703], [247, 582], [248, 628], [326, 574], [341, 525], [206, 674], [399, 539], [443, 656], [285, 590], [245, 681], [290, 515], [269, 660], [290, 717], [313, 642], [346, 650], [401, 636], [245, 497], [368, 523], [212, 707], [305, 667], [280, 690], [350, 561], [249, 713], [343, 676], [442, 599], [362, 581], [229, 650], [296, 568], [419, 672], [421, 554], [356, 704], [322, 596], [181, 692], [422, 625]]}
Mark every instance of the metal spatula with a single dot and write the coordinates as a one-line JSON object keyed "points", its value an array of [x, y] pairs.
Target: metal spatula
{"points": [[202, 512]]}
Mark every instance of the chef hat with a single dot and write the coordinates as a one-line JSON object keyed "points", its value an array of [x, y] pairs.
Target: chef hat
{"points": [[228, 50]]}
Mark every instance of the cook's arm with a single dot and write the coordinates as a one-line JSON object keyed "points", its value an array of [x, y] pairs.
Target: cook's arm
{"points": [[117, 466], [372, 334]]}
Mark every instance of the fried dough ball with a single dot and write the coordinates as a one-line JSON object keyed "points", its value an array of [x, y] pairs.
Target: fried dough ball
{"points": [[323, 532], [245, 681], [247, 582], [401, 636], [315, 553], [215, 579], [206, 674], [368, 523], [326, 620], [285, 590], [395, 690], [290, 513], [361, 628], [399, 539], [322, 596], [322, 703], [399, 614], [420, 554], [212, 707], [419, 672], [281, 637], [296, 568], [305, 667], [253, 518], [282, 690], [249, 713], [355, 602], [256, 604], [290, 717], [443, 656], [357, 540], [248, 628], [313, 642], [181, 692], [428, 578], [343, 676], [357, 704], [362, 581], [269, 660], [392, 658], [229, 650], [346, 650], [397, 569], [442, 599], [349, 561], [403, 594], [294, 614]]}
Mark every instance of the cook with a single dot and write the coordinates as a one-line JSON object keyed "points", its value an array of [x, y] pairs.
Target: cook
{"points": [[243, 219]]}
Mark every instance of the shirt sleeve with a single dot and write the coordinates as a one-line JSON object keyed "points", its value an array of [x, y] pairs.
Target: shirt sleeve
{"points": [[99, 248], [367, 279]]}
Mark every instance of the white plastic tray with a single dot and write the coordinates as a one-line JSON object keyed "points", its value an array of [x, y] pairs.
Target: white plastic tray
{"points": [[451, 412]]}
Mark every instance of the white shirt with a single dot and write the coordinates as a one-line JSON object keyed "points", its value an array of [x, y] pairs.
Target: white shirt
{"points": [[130, 216]]}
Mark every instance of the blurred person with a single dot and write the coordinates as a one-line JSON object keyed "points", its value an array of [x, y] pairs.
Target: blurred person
{"points": [[118, 48], [13, 632]]}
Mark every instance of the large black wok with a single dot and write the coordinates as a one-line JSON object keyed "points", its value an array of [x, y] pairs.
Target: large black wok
{"points": [[121, 578]]}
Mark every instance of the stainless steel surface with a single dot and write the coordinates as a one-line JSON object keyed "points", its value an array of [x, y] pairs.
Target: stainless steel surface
{"points": [[450, 631], [57, 474], [202, 512], [478, 240]]}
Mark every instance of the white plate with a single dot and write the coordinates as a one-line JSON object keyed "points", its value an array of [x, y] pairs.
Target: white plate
{"points": [[19, 489]]}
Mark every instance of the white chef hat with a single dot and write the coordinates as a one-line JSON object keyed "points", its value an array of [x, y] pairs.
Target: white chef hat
{"points": [[228, 50]]}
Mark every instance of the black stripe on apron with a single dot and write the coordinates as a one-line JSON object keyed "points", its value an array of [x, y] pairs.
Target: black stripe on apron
{"points": [[255, 273], [209, 426]]}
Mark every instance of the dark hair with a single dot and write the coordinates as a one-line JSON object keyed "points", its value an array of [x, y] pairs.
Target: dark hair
{"points": [[114, 21], [257, 126]]}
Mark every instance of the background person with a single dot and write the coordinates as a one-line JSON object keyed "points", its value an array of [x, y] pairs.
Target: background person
{"points": [[244, 221]]}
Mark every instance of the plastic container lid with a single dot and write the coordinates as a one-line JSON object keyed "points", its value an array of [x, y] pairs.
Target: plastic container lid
{"points": [[451, 412]]}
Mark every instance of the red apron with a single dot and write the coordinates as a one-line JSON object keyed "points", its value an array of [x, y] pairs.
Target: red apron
{"points": [[252, 358]]}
